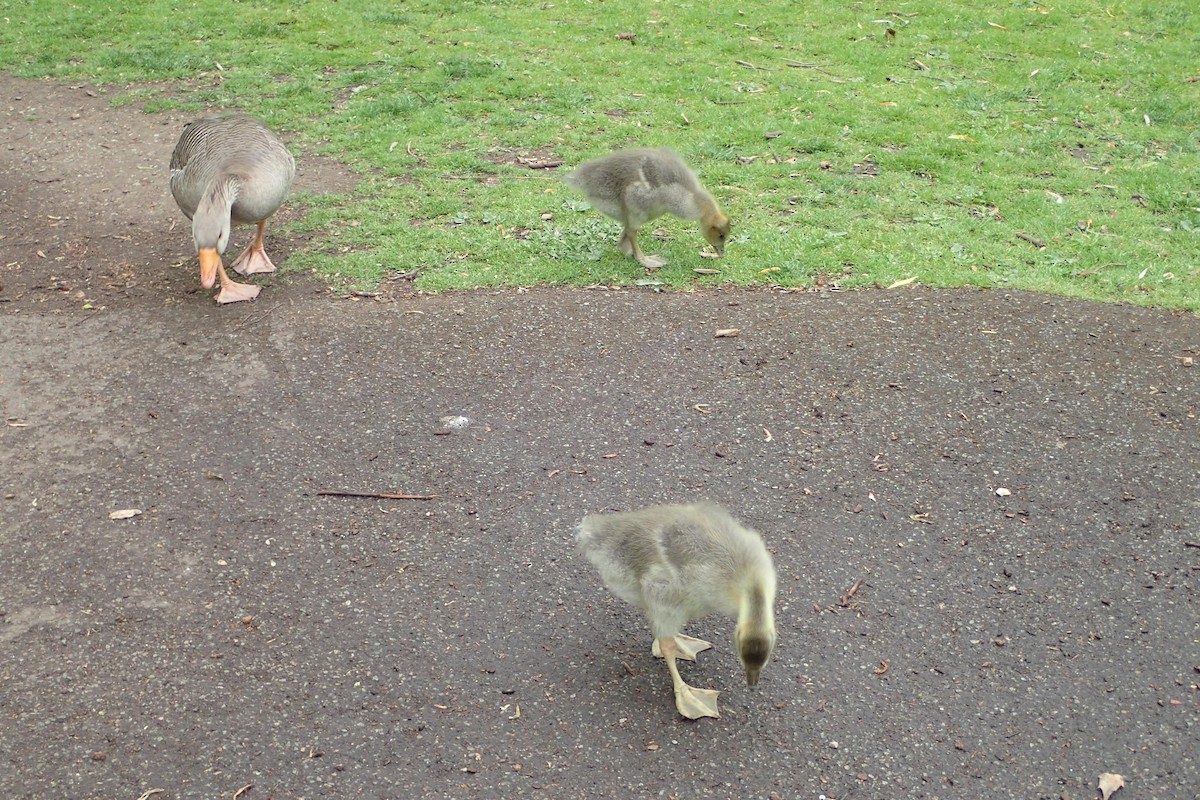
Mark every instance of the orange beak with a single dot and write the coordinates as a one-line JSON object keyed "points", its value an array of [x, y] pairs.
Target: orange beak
{"points": [[210, 261]]}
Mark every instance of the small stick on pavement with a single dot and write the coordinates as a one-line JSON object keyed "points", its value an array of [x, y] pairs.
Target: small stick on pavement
{"points": [[149, 792], [239, 792], [844, 600], [375, 495], [254, 319]]}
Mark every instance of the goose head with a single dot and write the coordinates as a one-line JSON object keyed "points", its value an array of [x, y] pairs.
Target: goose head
{"points": [[210, 232]]}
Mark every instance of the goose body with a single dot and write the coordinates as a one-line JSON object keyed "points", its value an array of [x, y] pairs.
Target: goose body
{"points": [[678, 563], [229, 170], [637, 186]]}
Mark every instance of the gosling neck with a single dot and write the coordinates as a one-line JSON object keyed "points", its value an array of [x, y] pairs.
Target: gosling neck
{"points": [[756, 606], [706, 206]]}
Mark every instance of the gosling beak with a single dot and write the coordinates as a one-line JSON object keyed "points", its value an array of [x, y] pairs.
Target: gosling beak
{"points": [[210, 261], [752, 674]]}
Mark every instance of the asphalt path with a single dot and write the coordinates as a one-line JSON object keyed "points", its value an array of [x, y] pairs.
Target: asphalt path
{"points": [[982, 507]]}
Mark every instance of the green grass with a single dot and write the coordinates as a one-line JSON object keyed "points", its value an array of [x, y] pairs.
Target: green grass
{"points": [[845, 156]]}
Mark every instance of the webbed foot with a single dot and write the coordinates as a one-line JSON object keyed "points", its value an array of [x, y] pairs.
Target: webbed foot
{"points": [[686, 647], [695, 703], [254, 258], [233, 292]]}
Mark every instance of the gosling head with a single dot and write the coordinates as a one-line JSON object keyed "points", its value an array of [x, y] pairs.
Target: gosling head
{"points": [[754, 646], [716, 231]]}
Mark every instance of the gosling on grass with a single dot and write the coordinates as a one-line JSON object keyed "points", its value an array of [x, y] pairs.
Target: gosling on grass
{"points": [[636, 186], [678, 563]]}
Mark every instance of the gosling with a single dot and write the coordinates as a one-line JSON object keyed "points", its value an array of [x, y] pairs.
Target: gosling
{"points": [[636, 186], [678, 563]]}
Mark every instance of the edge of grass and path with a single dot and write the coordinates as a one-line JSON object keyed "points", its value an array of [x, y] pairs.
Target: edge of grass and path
{"points": [[1045, 147]]}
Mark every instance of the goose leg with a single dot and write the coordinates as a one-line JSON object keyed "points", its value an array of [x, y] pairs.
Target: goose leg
{"points": [[629, 247], [686, 646], [232, 291], [691, 702], [254, 257]]}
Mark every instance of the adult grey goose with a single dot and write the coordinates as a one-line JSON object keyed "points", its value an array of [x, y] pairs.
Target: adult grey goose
{"points": [[229, 170]]}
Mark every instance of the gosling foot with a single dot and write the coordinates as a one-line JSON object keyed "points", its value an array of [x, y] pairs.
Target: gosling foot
{"points": [[686, 647], [696, 703], [652, 263]]}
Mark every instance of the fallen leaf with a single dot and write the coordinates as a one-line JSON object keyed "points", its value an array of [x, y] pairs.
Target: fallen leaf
{"points": [[769, 270], [125, 513], [961, 137], [904, 282], [1109, 783], [706, 271], [726, 333]]}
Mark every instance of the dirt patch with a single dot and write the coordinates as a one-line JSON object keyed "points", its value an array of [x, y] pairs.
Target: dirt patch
{"points": [[86, 215]]}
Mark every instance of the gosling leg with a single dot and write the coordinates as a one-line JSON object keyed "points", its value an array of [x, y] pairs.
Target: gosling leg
{"points": [[691, 702], [629, 247]]}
